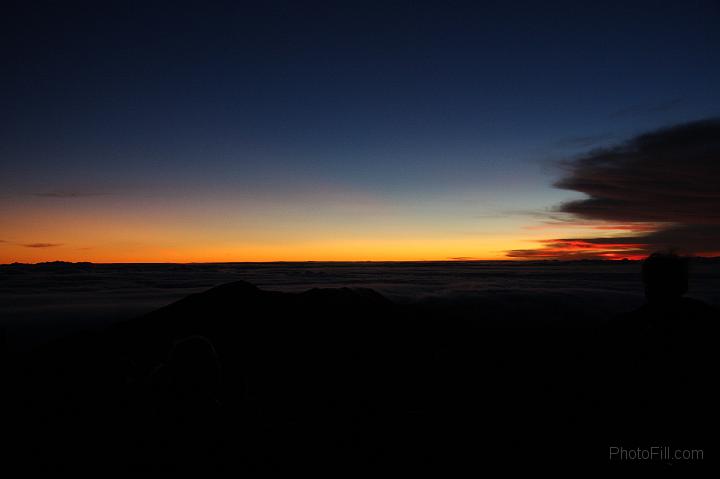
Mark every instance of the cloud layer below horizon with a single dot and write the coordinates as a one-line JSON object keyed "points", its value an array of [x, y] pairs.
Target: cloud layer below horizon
{"points": [[660, 187]]}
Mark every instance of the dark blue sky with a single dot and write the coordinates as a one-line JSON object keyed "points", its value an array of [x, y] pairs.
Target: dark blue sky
{"points": [[399, 101]]}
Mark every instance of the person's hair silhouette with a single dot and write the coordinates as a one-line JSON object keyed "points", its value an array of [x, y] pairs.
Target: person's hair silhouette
{"points": [[194, 368], [665, 276]]}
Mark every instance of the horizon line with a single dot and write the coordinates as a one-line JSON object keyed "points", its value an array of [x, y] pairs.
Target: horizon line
{"points": [[609, 260]]}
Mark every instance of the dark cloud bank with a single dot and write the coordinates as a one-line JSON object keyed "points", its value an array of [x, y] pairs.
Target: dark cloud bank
{"points": [[663, 185]]}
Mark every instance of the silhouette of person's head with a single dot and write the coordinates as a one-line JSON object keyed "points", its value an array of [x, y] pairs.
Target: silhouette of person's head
{"points": [[665, 275]]}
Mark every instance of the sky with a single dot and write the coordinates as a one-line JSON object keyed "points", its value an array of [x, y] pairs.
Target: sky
{"points": [[294, 131]]}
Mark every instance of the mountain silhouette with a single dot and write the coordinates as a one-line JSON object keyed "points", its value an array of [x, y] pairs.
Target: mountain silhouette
{"points": [[244, 379]]}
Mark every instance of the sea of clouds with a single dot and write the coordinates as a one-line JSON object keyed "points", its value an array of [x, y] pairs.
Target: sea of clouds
{"points": [[41, 302]]}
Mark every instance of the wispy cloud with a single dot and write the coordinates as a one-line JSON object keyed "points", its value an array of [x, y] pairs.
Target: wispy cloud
{"points": [[41, 245], [649, 108], [662, 187], [67, 194], [582, 141]]}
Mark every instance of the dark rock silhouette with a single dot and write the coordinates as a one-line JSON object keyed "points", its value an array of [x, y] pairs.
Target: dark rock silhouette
{"points": [[187, 403], [238, 378]]}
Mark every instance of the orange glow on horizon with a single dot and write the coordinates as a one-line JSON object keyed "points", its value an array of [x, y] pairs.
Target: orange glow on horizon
{"points": [[130, 230], [418, 250], [196, 232]]}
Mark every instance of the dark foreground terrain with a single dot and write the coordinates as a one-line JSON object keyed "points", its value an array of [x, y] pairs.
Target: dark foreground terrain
{"points": [[344, 380]]}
